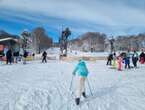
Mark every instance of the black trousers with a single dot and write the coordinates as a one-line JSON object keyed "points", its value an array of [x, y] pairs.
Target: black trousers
{"points": [[134, 60], [109, 62], [44, 60], [9, 60], [127, 65]]}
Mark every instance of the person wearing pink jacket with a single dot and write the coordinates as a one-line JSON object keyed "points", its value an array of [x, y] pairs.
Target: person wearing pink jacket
{"points": [[119, 62]]}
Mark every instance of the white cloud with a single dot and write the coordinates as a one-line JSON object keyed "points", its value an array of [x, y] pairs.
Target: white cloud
{"points": [[64, 9], [123, 13]]}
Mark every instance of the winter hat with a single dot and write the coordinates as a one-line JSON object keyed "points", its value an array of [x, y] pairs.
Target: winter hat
{"points": [[81, 59]]}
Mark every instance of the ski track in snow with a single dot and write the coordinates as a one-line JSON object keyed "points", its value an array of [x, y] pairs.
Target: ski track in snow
{"points": [[37, 86]]}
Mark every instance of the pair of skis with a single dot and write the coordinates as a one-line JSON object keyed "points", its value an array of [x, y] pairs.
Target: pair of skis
{"points": [[70, 89]]}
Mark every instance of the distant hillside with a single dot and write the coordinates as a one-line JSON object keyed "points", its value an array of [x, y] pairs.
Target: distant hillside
{"points": [[90, 41], [94, 41], [130, 42]]}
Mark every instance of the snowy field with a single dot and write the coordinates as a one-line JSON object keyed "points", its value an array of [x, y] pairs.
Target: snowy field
{"points": [[38, 86], [75, 53]]}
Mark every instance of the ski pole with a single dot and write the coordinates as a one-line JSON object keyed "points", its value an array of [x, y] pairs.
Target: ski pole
{"points": [[89, 87], [71, 83]]}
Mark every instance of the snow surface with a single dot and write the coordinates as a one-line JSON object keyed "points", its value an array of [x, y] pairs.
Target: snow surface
{"points": [[56, 52], [37, 86]]}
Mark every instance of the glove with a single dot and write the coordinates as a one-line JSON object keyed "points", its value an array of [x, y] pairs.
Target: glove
{"points": [[73, 73]]}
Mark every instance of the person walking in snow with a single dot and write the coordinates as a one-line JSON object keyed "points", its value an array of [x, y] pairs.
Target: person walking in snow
{"points": [[81, 73], [114, 61], [33, 56], [127, 60], [16, 56], [119, 62], [135, 59], [25, 55], [142, 57], [44, 57], [9, 56], [109, 59]]}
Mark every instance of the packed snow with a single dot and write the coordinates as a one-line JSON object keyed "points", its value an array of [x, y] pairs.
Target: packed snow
{"points": [[38, 86], [76, 53]]}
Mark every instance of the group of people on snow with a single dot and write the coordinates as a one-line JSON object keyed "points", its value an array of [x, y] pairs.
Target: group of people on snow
{"points": [[81, 72], [125, 58], [11, 56], [14, 57]]}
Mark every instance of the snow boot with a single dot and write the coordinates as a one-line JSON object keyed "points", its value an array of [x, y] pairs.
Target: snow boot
{"points": [[77, 100], [84, 95]]}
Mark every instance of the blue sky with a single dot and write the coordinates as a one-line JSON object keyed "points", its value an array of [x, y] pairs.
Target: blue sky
{"points": [[112, 17]]}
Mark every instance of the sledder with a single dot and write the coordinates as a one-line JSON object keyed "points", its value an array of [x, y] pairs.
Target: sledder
{"points": [[81, 73]]}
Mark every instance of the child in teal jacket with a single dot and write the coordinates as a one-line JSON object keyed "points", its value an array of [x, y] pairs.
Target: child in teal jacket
{"points": [[81, 73], [81, 69]]}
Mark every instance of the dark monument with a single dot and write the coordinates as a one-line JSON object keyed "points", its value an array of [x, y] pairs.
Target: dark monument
{"points": [[112, 44], [64, 41]]}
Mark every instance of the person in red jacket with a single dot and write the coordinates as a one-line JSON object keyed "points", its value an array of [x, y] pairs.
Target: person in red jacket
{"points": [[142, 57]]}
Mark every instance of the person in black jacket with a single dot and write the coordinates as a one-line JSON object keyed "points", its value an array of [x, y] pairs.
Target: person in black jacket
{"points": [[109, 59], [25, 56], [9, 56], [135, 59], [44, 57]]}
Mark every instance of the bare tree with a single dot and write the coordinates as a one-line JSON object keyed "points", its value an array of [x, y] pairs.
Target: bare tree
{"points": [[42, 40], [25, 40]]}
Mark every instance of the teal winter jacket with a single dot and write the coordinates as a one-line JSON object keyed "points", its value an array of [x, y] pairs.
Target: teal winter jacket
{"points": [[81, 69]]}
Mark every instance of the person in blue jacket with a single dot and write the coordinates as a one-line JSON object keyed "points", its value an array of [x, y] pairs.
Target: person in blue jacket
{"points": [[127, 60], [81, 73]]}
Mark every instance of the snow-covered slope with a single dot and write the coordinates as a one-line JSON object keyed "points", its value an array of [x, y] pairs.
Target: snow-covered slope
{"points": [[38, 86]]}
